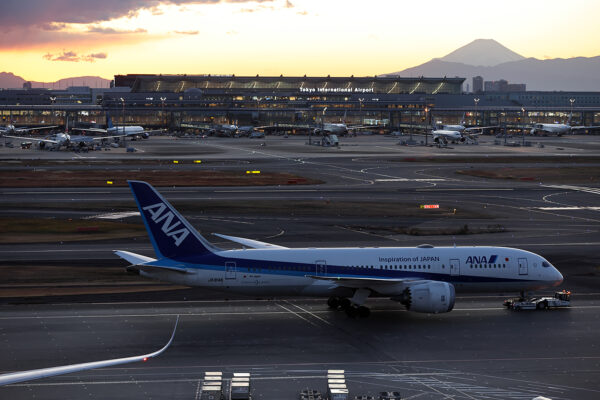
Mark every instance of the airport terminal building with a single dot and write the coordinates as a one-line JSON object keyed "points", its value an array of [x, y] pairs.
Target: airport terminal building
{"points": [[388, 101]]}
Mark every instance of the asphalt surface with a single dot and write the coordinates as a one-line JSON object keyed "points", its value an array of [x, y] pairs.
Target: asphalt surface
{"points": [[478, 351]]}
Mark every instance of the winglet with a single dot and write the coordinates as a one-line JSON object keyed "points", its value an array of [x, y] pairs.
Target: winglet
{"points": [[22, 376]]}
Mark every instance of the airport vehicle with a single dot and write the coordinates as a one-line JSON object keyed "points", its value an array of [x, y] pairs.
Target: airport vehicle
{"points": [[560, 299], [423, 278], [256, 135], [22, 376]]}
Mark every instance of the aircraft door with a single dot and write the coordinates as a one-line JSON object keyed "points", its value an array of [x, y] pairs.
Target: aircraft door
{"points": [[230, 270], [454, 267], [320, 268], [522, 266]]}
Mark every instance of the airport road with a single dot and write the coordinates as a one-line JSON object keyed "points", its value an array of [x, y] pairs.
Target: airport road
{"points": [[477, 351]]}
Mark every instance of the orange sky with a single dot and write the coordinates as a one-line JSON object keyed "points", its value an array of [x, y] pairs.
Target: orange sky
{"points": [[294, 37]]}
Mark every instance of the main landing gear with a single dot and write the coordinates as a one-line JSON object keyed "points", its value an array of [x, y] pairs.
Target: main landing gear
{"points": [[351, 309]]}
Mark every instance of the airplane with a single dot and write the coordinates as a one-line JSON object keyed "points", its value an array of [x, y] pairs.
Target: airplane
{"points": [[22, 376], [66, 140], [423, 278], [126, 131], [226, 130], [558, 129], [12, 129]]}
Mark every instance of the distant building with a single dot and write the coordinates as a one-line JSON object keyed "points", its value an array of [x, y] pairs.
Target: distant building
{"points": [[517, 87], [27, 85], [477, 84], [503, 86]]}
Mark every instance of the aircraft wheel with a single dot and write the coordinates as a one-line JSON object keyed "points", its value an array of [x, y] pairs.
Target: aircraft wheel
{"points": [[345, 303], [333, 302], [352, 311], [542, 306], [364, 312]]}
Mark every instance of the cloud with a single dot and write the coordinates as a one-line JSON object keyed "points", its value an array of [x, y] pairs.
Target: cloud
{"points": [[72, 56], [186, 32], [113, 31], [24, 13]]}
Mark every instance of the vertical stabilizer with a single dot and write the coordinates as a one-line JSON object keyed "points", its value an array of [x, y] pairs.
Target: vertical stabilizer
{"points": [[171, 235]]}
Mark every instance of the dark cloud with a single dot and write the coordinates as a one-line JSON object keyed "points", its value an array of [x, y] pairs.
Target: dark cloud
{"points": [[21, 13], [72, 56]]}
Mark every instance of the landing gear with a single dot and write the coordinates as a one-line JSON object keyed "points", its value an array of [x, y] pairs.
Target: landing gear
{"points": [[344, 304], [333, 302]]}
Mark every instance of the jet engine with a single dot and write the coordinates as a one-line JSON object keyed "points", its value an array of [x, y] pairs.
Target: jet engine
{"points": [[430, 297]]}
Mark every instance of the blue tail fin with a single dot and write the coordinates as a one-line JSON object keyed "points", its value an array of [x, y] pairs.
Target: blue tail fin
{"points": [[171, 235], [109, 123]]}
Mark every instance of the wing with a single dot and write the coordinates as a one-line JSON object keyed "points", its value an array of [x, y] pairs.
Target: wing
{"points": [[99, 130], [384, 286], [255, 244], [15, 377], [31, 139]]}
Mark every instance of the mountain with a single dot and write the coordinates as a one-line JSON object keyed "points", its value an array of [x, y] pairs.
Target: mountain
{"points": [[571, 74], [8, 80], [484, 52]]}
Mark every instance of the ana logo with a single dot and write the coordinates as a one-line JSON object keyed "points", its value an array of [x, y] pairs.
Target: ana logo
{"points": [[482, 259], [157, 214]]}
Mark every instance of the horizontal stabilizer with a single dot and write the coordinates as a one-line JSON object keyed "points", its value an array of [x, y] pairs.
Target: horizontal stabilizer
{"points": [[255, 244], [132, 258]]}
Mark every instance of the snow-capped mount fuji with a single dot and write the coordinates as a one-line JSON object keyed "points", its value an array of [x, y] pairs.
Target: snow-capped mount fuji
{"points": [[482, 52], [493, 61]]}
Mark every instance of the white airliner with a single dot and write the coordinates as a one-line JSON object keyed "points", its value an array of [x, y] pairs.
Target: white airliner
{"points": [[558, 129], [423, 278], [119, 130], [12, 129]]}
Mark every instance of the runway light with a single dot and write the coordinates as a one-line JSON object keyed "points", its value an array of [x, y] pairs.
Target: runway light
{"points": [[430, 206], [197, 161], [175, 162], [109, 182], [253, 172]]}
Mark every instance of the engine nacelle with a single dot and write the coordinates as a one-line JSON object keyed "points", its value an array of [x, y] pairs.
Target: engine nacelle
{"points": [[430, 297]]}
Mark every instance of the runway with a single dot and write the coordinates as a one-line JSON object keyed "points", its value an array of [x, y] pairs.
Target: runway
{"points": [[478, 351], [370, 196]]}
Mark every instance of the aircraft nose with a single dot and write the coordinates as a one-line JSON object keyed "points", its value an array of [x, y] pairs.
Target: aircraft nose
{"points": [[556, 277]]}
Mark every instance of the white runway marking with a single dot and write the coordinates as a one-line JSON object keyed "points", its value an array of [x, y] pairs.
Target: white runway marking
{"points": [[576, 188], [117, 215], [569, 208], [411, 180]]}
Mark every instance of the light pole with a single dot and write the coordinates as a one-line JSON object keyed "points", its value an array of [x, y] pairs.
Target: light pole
{"points": [[258, 100], [426, 125], [360, 100], [162, 111], [122, 115], [523, 124], [476, 100], [571, 115]]}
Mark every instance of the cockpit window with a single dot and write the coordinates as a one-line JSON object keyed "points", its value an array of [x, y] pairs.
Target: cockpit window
{"points": [[545, 264]]}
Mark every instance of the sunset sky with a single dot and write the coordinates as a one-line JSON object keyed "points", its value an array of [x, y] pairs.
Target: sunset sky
{"points": [[45, 40]]}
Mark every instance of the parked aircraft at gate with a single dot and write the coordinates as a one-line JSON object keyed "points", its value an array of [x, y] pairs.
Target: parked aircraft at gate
{"points": [[424, 278]]}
